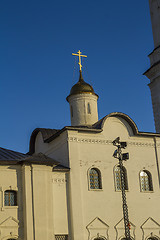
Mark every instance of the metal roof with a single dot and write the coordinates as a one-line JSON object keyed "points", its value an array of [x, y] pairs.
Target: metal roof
{"points": [[12, 157], [6, 154], [61, 168], [40, 158]]}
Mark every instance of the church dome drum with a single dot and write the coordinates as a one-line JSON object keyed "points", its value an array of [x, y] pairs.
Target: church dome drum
{"points": [[83, 103]]}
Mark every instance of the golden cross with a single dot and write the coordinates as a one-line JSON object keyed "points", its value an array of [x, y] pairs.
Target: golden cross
{"points": [[79, 55]]}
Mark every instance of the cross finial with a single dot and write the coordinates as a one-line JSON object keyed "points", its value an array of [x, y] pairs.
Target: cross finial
{"points": [[79, 55]]}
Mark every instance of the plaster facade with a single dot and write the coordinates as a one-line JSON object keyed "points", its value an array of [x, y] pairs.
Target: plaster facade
{"points": [[98, 212], [50, 193], [53, 203], [83, 108]]}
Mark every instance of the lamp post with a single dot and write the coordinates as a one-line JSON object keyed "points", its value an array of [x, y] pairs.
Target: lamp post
{"points": [[122, 157]]}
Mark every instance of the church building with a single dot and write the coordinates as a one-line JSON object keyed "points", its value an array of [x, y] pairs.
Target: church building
{"points": [[69, 186]]}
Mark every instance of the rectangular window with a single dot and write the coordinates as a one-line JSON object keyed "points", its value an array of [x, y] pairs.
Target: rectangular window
{"points": [[10, 198], [61, 237]]}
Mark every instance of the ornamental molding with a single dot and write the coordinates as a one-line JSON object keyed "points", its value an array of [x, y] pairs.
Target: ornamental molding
{"points": [[109, 142], [152, 72], [119, 227], [141, 144], [59, 181], [97, 229], [89, 140], [9, 222]]}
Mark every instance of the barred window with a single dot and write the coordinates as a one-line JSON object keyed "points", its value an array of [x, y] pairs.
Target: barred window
{"points": [[61, 237], [10, 198], [95, 179], [117, 175], [146, 181]]}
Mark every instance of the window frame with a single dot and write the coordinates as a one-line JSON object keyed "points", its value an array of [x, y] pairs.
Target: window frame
{"points": [[100, 178], [15, 198], [153, 238], [150, 181], [100, 238], [126, 179], [10, 206], [123, 238]]}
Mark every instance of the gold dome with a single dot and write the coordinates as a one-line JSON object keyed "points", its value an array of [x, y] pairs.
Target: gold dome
{"points": [[81, 87]]}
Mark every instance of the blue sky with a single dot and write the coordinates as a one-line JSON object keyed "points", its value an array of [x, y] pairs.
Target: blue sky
{"points": [[37, 69]]}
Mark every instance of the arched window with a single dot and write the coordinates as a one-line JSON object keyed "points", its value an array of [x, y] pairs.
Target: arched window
{"points": [[125, 238], [10, 198], [117, 175], [152, 238], [95, 179], [146, 181], [99, 238], [89, 108]]}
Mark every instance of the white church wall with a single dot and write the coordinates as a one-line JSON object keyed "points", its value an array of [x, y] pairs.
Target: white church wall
{"points": [[57, 149], [27, 200], [76, 226], [115, 126], [42, 202], [96, 150], [39, 144], [11, 217], [80, 114], [60, 211]]}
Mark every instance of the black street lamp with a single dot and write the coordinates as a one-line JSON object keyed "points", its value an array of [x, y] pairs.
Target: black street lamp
{"points": [[123, 157]]}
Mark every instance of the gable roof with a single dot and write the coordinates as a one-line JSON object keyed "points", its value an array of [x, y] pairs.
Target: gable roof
{"points": [[39, 158], [50, 134]]}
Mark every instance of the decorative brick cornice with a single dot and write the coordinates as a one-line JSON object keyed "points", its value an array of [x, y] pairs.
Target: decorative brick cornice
{"points": [[89, 140], [109, 142], [141, 144]]}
